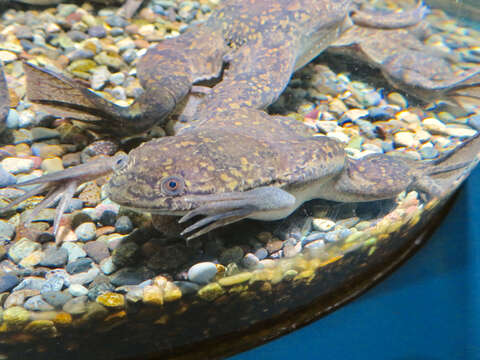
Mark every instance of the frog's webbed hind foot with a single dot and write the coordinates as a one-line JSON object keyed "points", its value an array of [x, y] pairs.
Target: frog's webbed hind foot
{"points": [[65, 97], [62, 185], [226, 208]]}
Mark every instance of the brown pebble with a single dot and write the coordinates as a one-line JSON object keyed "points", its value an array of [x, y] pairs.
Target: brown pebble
{"points": [[97, 250], [141, 44], [274, 245], [131, 29], [105, 230]]}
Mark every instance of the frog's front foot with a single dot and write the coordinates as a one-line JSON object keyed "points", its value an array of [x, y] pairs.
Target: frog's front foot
{"points": [[266, 203], [61, 185]]}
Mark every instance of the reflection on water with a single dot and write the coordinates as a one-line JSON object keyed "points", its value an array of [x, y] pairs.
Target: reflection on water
{"points": [[126, 282]]}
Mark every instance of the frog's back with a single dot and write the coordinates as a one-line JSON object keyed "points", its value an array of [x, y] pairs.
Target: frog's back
{"points": [[298, 156]]}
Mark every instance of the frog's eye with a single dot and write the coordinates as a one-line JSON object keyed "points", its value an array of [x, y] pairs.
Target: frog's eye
{"points": [[120, 161], [172, 185]]}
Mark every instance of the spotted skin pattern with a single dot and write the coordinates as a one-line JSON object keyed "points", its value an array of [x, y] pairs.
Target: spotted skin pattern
{"points": [[258, 44], [234, 160]]}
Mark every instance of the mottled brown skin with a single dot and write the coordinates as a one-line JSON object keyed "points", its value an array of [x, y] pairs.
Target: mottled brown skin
{"points": [[250, 165], [235, 161], [410, 65], [262, 41]]}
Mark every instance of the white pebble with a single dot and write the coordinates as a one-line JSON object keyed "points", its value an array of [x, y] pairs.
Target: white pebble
{"points": [[408, 117], [434, 125], [404, 138], [320, 224], [339, 136], [77, 290], [17, 165], [202, 272], [460, 132]]}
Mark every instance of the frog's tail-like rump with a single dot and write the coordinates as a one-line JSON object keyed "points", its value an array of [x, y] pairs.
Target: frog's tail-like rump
{"points": [[68, 98]]}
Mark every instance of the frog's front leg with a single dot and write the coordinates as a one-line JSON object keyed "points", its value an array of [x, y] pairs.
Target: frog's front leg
{"points": [[266, 203], [62, 185]]}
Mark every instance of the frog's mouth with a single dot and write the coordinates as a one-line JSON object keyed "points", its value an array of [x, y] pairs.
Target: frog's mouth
{"points": [[213, 210]]}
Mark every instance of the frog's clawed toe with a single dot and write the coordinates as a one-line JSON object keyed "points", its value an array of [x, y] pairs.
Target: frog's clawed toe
{"points": [[226, 208], [215, 221]]}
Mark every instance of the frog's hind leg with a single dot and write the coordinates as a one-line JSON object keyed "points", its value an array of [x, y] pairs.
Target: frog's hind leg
{"points": [[166, 72]]}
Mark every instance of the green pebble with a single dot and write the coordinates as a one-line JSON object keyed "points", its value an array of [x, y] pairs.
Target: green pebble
{"points": [[82, 65], [16, 317], [235, 279], [211, 291]]}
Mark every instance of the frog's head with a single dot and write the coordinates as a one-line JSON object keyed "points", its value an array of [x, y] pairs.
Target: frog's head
{"points": [[173, 175]]}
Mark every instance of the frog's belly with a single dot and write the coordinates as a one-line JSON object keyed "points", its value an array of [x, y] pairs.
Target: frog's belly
{"points": [[302, 194]]}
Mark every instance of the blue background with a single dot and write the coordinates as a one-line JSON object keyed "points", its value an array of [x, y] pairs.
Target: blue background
{"points": [[428, 309]]}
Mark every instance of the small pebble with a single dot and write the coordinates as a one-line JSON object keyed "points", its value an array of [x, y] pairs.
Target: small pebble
{"points": [[56, 298], [54, 257], [397, 99], [108, 218], [36, 303], [202, 273], [323, 224], [123, 225], [21, 249], [12, 120], [428, 151], [107, 266], [42, 133], [404, 138], [30, 283], [17, 165], [7, 230], [250, 261], [127, 276], [97, 31], [7, 282], [79, 265], [54, 283], [74, 251], [261, 253], [77, 290], [86, 231], [97, 250], [76, 306]]}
